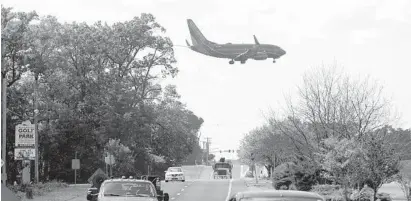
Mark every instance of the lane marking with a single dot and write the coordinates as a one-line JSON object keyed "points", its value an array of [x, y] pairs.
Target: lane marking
{"points": [[182, 189], [185, 186], [229, 190], [178, 193], [173, 198]]}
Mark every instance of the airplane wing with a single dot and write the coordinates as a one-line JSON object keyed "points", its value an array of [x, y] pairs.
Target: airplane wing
{"points": [[243, 56]]}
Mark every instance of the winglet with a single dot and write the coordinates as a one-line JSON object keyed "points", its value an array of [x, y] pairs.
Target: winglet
{"points": [[256, 41]]}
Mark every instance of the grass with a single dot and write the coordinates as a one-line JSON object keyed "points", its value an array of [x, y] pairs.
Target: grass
{"points": [[38, 189]]}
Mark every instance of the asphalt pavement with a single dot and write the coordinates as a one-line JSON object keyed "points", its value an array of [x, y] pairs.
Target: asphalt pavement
{"points": [[199, 184]]}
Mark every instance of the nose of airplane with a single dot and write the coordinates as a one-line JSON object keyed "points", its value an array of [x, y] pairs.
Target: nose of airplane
{"points": [[282, 52]]}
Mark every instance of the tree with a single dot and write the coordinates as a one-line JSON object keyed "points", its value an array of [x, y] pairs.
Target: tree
{"points": [[331, 104], [97, 82], [14, 36], [123, 158], [338, 159], [380, 160], [404, 178]]}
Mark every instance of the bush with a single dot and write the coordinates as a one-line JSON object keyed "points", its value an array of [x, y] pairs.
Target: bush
{"points": [[249, 174], [294, 173], [384, 197], [42, 188]]}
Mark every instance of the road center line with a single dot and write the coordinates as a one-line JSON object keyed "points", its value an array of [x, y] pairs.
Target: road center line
{"points": [[229, 190]]}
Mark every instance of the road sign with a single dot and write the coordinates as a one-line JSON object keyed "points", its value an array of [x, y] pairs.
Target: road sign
{"points": [[110, 160], [24, 154], [97, 172], [25, 135], [75, 164]]}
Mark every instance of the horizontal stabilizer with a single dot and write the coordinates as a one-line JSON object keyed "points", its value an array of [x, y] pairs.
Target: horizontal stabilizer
{"points": [[256, 41]]}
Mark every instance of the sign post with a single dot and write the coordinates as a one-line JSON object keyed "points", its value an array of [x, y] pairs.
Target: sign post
{"points": [[25, 146], [110, 160], [75, 165]]}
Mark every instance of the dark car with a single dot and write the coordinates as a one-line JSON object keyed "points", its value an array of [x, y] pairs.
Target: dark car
{"points": [[276, 195]]}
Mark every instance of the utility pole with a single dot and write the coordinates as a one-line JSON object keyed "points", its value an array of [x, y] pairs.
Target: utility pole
{"points": [[75, 170], [36, 127], [3, 113], [208, 149]]}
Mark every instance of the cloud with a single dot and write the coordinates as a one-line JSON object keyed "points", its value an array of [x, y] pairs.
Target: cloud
{"points": [[399, 10]]}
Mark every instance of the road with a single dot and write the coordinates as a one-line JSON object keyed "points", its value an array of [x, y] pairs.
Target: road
{"points": [[200, 184]]}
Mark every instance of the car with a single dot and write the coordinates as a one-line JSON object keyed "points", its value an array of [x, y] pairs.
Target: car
{"points": [[276, 195], [133, 189], [175, 174]]}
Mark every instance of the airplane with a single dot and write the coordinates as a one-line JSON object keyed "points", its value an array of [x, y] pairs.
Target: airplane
{"points": [[235, 52]]}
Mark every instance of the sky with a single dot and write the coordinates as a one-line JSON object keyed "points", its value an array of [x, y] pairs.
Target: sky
{"points": [[366, 38]]}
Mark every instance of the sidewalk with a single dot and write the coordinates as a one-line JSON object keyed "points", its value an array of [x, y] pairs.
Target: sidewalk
{"points": [[72, 193], [263, 184]]}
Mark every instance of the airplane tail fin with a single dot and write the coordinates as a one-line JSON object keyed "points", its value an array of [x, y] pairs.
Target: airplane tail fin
{"points": [[256, 41], [196, 35]]}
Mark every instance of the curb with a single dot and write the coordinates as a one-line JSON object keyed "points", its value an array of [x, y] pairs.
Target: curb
{"points": [[75, 185]]}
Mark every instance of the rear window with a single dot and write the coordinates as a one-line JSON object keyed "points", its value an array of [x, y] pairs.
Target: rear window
{"points": [[174, 169], [138, 189], [280, 199]]}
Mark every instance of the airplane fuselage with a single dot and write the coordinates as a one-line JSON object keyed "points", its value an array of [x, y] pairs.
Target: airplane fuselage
{"points": [[235, 52], [231, 51]]}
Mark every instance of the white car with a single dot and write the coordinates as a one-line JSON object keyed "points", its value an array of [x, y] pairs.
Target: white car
{"points": [[175, 174]]}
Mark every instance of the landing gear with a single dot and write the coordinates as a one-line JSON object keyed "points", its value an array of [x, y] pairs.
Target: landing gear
{"points": [[242, 62], [273, 61], [231, 62]]}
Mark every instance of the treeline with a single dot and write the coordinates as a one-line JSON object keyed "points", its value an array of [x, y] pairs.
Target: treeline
{"points": [[336, 131], [94, 83]]}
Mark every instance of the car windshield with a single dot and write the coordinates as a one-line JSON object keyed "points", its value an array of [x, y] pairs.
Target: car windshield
{"points": [[279, 199], [174, 170], [139, 189]]}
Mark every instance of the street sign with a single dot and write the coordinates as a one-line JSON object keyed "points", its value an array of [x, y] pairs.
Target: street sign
{"points": [[25, 135], [24, 154], [97, 172], [75, 164], [110, 160]]}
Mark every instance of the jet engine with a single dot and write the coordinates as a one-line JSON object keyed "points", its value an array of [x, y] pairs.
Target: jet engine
{"points": [[260, 56]]}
